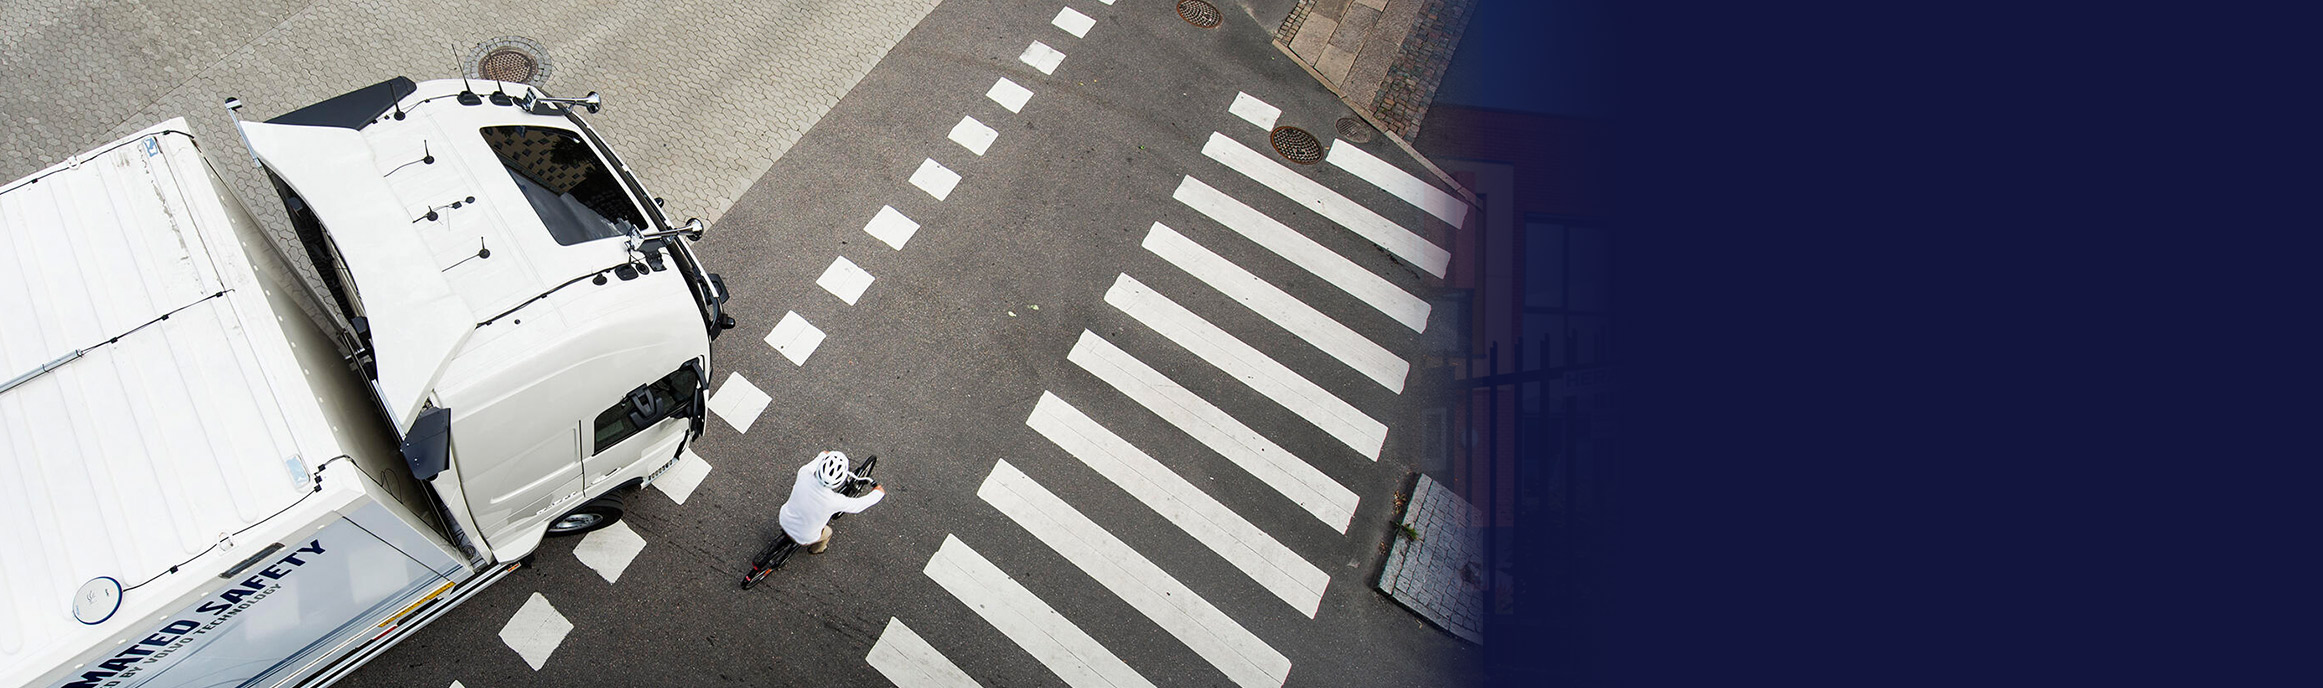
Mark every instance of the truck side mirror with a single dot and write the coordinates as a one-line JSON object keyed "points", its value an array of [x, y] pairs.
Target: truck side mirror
{"points": [[643, 411], [427, 449]]}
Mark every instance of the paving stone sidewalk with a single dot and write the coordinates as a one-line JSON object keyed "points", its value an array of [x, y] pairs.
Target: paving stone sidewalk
{"points": [[1439, 575], [1385, 56]]}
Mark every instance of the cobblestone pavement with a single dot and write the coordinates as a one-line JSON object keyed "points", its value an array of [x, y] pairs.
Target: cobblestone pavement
{"points": [[1437, 575], [701, 96]]}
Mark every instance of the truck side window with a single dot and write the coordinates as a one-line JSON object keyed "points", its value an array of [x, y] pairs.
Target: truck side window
{"points": [[673, 393], [575, 194]]}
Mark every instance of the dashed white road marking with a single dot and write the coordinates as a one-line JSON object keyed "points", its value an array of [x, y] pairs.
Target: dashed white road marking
{"points": [[1249, 549], [795, 338], [891, 227], [1024, 618], [1268, 377], [1042, 57], [681, 480], [609, 550], [1366, 357], [1254, 111], [910, 662], [738, 402], [1306, 486], [844, 280], [973, 135], [1444, 206], [535, 631], [1307, 192], [1305, 253], [1244, 658], [1009, 95], [1073, 22], [935, 179]]}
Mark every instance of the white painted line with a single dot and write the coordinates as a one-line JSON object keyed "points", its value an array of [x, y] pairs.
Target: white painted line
{"points": [[1024, 618], [738, 402], [535, 631], [681, 480], [973, 135], [1257, 554], [1254, 111], [1269, 378], [935, 179], [911, 662], [1329, 501], [795, 338], [1305, 253], [1073, 22], [1444, 206], [1244, 658], [1042, 57], [456, 684], [845, 280], [1366, 357], [1009, 95], [891, 227], [609, 550], [1356, 218]]}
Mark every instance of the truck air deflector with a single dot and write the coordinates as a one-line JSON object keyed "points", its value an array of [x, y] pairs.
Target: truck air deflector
{"points": [[417, 322]]}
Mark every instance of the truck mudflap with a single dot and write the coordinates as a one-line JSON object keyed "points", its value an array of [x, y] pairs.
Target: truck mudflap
{"points": [[292, 606]]}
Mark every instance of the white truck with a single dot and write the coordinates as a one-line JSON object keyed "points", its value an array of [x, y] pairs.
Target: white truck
{"points": [[219, 472]]}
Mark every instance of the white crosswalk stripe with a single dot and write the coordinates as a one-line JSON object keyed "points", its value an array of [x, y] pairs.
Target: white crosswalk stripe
{"points": [[1358, 282], [934, 178], [794, 338], [1250, 662], [738, 402], [1009, 94], [1073, 22], [1042, 57], [609, 550], [1307, 487], [1274, 566], [1271, 379], [535, 631], [1059, 645], [909, 661], [680, 481], [891, 227], [1310, 325], [1307, 192], [973, 135], [845, 279], [1401, 184], [1254, 111]]}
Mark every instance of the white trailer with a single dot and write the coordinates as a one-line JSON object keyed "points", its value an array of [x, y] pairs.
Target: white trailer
{"points": [[223, 474]]}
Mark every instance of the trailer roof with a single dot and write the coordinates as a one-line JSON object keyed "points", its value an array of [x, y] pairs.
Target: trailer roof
{"points": [[171, 413]]}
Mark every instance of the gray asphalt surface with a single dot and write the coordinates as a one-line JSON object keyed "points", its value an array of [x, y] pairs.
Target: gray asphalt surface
{"points": [[930, 371]]}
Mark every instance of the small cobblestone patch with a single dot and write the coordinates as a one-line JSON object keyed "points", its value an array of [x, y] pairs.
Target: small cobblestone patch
{"points": [[1439, 575]]}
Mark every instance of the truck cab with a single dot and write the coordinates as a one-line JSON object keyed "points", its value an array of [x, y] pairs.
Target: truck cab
{"points": [[531, 325]]}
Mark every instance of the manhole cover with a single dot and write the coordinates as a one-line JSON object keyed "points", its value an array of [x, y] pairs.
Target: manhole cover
{"points": [[507, 65], [1297, 145], [1199, 13], [1355, 130], [510, 58]]}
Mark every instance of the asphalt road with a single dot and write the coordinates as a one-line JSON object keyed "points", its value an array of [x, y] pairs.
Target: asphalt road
{"points": [[939, 364]]}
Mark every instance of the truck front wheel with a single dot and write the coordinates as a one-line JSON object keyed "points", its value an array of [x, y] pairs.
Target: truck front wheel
{"points": [[594, 514]]}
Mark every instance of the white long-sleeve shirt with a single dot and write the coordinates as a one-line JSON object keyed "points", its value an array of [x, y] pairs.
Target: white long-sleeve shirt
{"points": [[811, 505]]}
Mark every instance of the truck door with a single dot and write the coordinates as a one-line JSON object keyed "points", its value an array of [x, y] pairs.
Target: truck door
{"points": [[633, 427], [514, 469]]}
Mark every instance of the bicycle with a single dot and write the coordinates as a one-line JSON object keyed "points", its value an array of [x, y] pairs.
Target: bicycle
{"points": [[780, 549]]}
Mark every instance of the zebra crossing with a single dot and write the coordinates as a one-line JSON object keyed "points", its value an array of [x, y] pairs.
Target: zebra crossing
{"points": [[988, 584]]}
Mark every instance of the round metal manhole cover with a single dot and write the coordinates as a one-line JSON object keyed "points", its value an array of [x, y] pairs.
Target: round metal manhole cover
{"points": [[1356, 130], [510, 58], [1296, 145], [508, 65], [1199, 13]]}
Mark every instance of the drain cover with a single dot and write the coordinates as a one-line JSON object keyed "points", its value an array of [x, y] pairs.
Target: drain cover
{"points": [[1297, 145], [1199, 13], [508, 65], [1355, 130], [509, 58]]}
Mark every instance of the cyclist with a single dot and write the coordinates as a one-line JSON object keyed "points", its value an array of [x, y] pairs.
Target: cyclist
{"points": [[815, 496]]}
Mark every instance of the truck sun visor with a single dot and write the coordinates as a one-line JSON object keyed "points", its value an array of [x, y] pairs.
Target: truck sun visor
{"points": [[417, 323], [427, 448]]}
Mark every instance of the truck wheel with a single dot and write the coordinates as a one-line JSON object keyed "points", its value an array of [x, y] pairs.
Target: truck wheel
{"points": [[594, 514]]}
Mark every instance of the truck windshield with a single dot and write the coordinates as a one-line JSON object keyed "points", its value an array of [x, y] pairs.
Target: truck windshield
{"points": [[577, 197]]}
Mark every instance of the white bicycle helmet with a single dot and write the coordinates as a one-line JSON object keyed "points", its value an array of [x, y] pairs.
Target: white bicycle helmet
{"points": [[831, 468]]}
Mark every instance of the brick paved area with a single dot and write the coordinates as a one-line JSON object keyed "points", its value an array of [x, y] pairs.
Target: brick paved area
{"points": [[1439, 575], [701, 95], [1386, 56]]}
